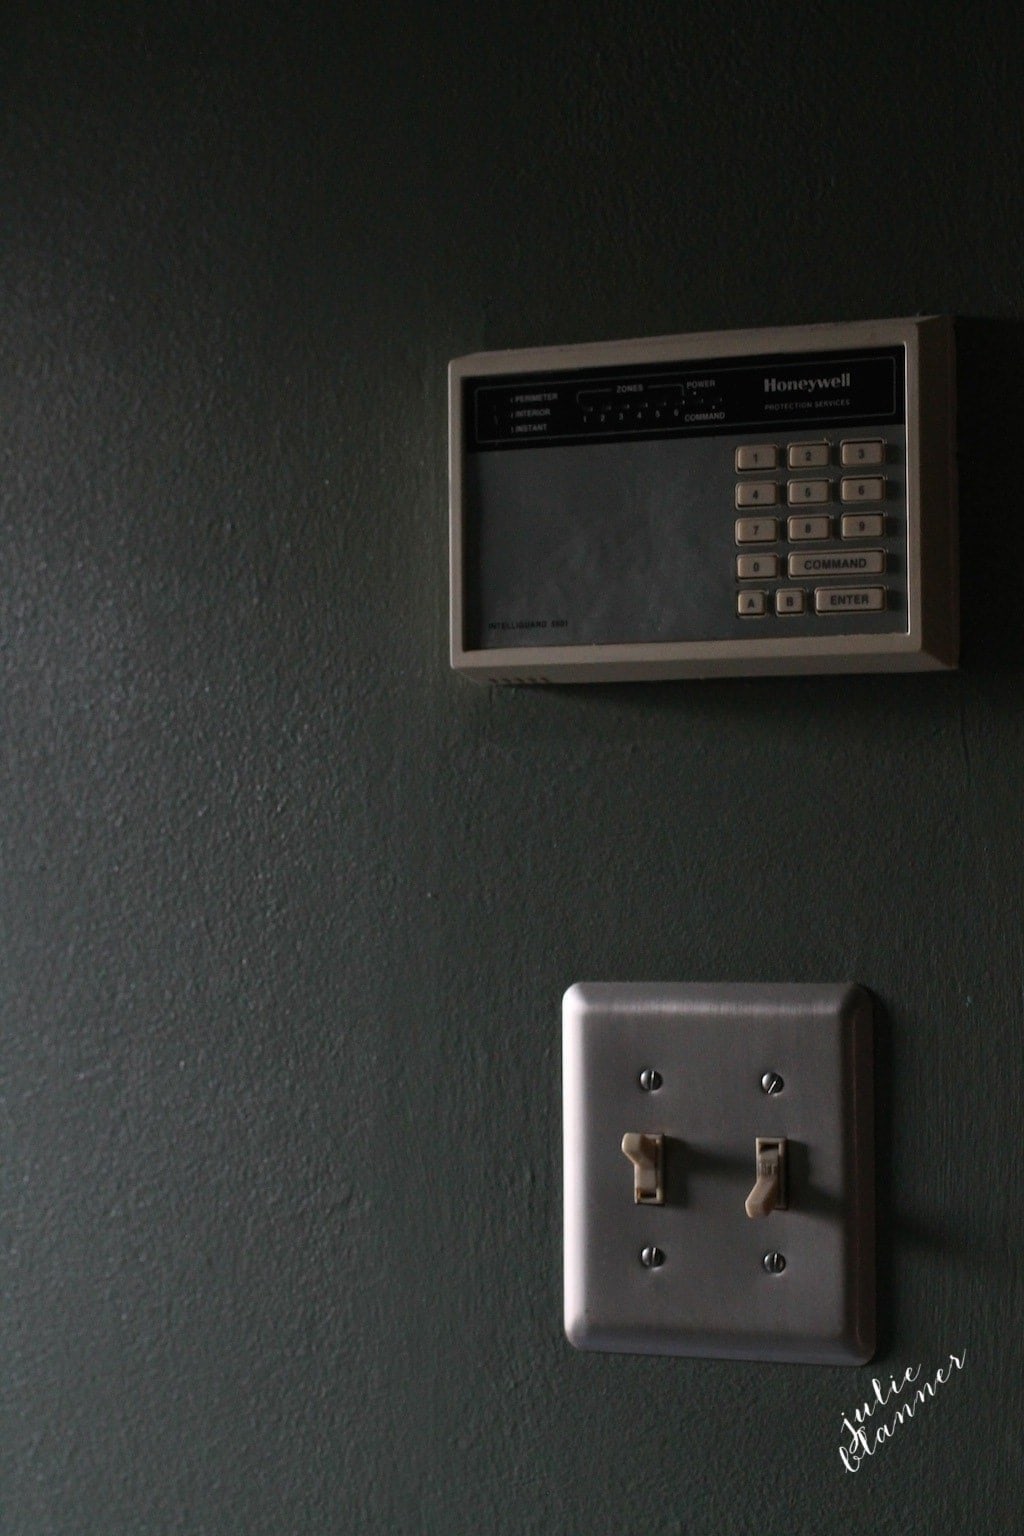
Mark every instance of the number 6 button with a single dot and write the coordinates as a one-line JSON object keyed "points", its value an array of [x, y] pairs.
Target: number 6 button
{"points": [[871, 489]]}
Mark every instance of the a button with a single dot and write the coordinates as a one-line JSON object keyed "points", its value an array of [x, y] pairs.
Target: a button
{"points": [[870, 525], [754, 567], [757, 530], [807, 455], [866, 451], [800, 528], [860, 562], [752, 605], [756, 493], [849, 599], [757, 456], [807, 493], [789, 601], [872, 489]]}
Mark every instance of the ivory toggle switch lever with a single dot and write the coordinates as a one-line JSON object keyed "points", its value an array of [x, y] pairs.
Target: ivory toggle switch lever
{"points": [[644, 1152], [769, 1193]]}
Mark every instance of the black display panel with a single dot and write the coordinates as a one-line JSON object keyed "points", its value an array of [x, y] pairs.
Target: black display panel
{"points": [[665, 400]]}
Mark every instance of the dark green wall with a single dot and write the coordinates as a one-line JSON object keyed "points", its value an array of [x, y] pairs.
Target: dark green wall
{"points": [[288, 909]]}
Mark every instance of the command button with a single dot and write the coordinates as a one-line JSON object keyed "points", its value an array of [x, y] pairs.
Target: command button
{"points": [[849, 599], [840, 562]]}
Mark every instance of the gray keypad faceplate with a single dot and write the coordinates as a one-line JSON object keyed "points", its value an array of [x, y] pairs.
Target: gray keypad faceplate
{"points": [[628, 542]]}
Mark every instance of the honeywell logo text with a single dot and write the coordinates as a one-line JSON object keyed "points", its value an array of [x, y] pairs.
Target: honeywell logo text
{"points": [[807, 386]]}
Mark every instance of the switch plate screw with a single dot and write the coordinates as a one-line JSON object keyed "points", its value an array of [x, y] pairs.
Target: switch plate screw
{"points": [[650, 1080], [774, 1263], [772, 1083], [652, 1258]]}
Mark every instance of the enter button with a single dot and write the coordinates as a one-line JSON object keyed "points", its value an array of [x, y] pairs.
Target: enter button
{"points": [[849, 599]]}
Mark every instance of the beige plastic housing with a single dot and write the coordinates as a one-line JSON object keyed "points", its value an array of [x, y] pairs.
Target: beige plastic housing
{"points": [[931, 638]]}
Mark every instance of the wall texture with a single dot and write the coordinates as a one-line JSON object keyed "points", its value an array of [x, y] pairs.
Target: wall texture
{"points": [[287, 909]]}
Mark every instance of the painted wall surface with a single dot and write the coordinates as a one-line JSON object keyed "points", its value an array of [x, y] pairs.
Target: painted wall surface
{"points": [[288, 908]]}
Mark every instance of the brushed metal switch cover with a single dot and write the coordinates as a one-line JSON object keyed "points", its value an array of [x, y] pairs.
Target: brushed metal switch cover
{"points": [[695, 1275]]}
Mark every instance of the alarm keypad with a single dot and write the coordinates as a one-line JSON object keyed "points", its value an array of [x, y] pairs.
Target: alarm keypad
{"points": [[833, 572]]}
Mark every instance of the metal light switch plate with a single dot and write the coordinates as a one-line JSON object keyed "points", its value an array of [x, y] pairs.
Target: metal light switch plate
{"points": [[713, 1069]]}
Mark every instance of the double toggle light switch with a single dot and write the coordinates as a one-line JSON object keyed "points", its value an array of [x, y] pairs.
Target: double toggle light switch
{"points": [[743, 1226], [646, 1153]]}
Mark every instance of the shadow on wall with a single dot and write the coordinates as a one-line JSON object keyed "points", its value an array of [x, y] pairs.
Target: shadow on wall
{"points": [[990, 396]]}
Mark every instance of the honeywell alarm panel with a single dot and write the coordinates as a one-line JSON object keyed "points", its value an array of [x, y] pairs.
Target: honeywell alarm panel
{"points": [[725, 503]]}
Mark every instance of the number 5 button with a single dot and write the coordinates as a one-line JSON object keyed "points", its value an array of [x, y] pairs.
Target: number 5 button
{"points": [[807, 493]]}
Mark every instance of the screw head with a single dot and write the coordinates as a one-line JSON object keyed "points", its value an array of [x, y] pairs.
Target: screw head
{"points": [[651, 1257], [772, 1083], [774, 1263], [650, 1080]]}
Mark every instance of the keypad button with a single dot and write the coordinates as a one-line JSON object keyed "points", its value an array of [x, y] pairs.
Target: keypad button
{"points": [[801, 529], [757, 530], [757, 456], [790, 601], [807, 493], [871, 489], [868, 525], [807, 455], [756, 567], [849, 599], [757, 493], [752, 605], [865, 452], [840, 562]]}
